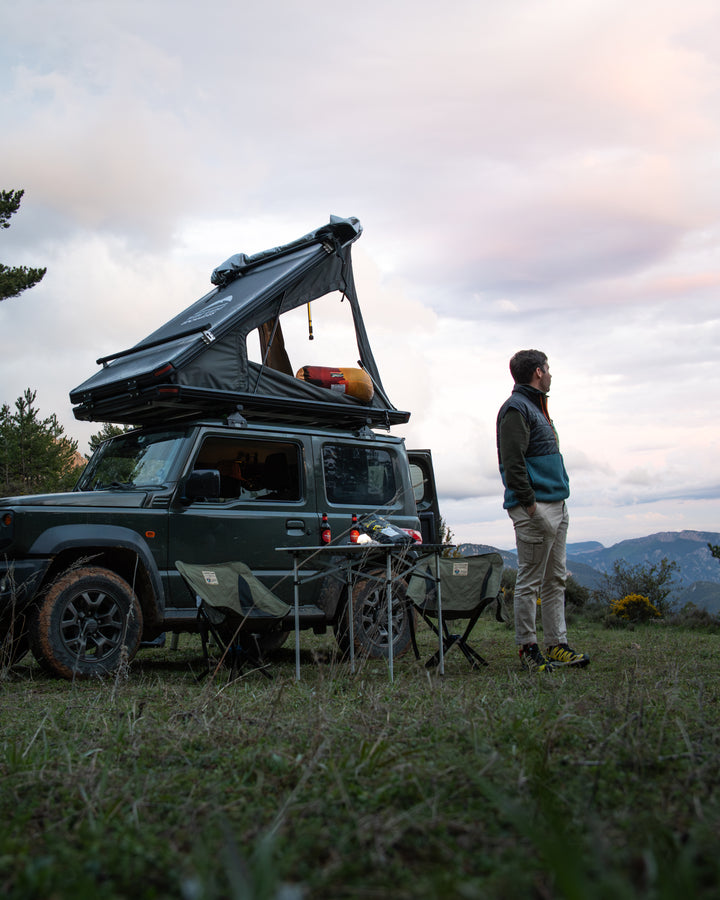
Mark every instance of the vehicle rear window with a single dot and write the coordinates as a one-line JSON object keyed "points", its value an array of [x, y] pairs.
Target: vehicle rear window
{"points": [[358, 476]]}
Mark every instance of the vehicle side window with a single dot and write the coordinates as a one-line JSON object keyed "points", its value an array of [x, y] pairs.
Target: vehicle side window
{"points": [[358, 475], [253, 470], [418, 479]]}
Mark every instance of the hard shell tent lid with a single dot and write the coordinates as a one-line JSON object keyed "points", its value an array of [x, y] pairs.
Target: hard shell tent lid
{"points": [[197, 363]]}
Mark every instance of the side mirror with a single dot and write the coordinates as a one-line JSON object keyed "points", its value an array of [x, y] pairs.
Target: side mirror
{"points": [[202, 484]]}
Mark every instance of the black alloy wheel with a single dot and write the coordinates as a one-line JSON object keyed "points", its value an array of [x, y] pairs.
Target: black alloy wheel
{"points": [[370, 619], [88, 623]]}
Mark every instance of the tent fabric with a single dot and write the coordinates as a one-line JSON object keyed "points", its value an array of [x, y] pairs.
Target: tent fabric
{"points": [[232, 586], [465, 582], [337, 230], [205, 346]]}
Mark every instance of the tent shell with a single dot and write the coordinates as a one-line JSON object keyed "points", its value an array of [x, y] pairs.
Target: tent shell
{"points": [[197, 363]]}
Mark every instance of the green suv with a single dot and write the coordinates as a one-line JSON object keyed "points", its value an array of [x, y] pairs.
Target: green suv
{"points": [[86, 576], [235, 456]]}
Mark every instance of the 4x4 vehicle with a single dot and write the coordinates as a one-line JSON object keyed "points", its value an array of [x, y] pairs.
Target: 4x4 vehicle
{"points": [[235, 456], [87, 575]]}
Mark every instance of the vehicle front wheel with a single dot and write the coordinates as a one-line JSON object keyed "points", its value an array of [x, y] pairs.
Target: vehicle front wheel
{"points": [[370, 620], [88, 623]]}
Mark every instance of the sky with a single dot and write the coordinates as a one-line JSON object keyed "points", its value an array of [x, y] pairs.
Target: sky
{"points": [[528, 174]]}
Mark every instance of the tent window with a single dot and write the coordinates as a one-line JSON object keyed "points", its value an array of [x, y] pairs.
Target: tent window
{"points": [[289, 347]]}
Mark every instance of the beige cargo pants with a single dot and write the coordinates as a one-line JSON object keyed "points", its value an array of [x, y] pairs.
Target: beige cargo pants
{"points": [[540, 541]]}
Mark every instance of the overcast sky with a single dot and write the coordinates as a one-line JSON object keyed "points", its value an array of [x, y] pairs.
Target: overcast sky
{"points": [[528, 174]]}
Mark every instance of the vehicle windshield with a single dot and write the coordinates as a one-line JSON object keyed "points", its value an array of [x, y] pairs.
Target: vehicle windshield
{"points": [[133, 460]]}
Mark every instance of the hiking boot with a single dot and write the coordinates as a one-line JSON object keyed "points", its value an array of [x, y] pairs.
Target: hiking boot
{"points": [[562, 655], [533, 660]]}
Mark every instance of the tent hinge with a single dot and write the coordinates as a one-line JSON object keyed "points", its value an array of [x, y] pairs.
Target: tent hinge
{"points": [[236, 420]]}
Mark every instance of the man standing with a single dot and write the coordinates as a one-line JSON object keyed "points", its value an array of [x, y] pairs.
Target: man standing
{"points": [[536, 487]]}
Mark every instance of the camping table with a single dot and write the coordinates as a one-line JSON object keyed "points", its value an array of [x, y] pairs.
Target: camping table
{"points": [[354, 559]]}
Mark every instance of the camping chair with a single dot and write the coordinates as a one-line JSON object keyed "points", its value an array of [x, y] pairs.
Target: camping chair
{"points": [[236, 609], [468, 585]]}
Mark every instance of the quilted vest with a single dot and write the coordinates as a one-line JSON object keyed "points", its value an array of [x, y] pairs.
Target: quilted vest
{"points": [[544, 463]]}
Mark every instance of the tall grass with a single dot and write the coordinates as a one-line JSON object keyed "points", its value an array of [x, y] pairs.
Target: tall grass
{"points": [[492, 783]]}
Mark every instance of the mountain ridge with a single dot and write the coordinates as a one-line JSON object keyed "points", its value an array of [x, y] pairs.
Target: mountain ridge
{"points": [[697, 579]]}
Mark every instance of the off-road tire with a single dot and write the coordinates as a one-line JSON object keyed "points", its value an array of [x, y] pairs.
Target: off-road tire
{"points": [[370, 620], [88, 623]]}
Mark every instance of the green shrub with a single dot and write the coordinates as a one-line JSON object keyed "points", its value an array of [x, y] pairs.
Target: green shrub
{"points": [[611, 621], [634, 608], [575, 594], [692, 616], [655, 582]]}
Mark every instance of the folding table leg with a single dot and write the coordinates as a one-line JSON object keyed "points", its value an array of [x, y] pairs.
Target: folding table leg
{"points": [[296, 588], [441, 648], [350, 615], [388, 594]]}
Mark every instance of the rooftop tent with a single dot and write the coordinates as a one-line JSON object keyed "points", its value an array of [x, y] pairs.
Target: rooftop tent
{"points": [[197, 363]]}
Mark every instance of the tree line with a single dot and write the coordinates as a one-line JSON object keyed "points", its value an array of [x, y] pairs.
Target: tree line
{"points": [[36, 456]]}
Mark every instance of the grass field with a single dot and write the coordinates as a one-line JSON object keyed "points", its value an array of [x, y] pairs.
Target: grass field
{"points": [[603, 782]]}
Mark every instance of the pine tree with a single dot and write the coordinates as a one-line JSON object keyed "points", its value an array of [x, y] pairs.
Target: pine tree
{"points": [[14, 280], [107, 431], [35, 454]]}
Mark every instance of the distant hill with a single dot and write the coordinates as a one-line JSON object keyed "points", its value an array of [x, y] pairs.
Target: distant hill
{"points": [[698, 577], [587, 547], [509, 556], [687, 548], [704, 594]]}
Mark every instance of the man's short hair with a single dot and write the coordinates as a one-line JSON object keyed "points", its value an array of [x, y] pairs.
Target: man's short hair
{"points": [[524, 363]]}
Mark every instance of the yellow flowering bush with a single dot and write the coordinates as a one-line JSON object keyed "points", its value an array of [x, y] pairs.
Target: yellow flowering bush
{"points": [[634, 608]]}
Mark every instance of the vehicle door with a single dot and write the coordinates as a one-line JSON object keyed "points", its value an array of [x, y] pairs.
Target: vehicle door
{"points": [[363, 477], [423, 482], [265, 501]]}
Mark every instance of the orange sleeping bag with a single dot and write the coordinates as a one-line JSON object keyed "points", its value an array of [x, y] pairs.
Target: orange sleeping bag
{"points": [[353, 382]]}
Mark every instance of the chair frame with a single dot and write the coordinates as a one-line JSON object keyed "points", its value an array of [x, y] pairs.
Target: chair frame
{"points": [[454, 640], [450, 639], [238, 655]]}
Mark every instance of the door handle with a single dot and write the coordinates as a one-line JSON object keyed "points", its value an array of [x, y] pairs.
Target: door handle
{"points": [[295, 525]]}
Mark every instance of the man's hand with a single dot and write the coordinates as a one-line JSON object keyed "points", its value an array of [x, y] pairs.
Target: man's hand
{"points": [[530, 510]]}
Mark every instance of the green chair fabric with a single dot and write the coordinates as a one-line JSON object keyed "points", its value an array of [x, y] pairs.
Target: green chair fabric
{"points": [[466, 583], [232, 586]]}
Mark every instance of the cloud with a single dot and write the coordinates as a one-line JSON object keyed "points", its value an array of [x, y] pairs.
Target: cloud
{"points": [[527, 175], [103, 163]]}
